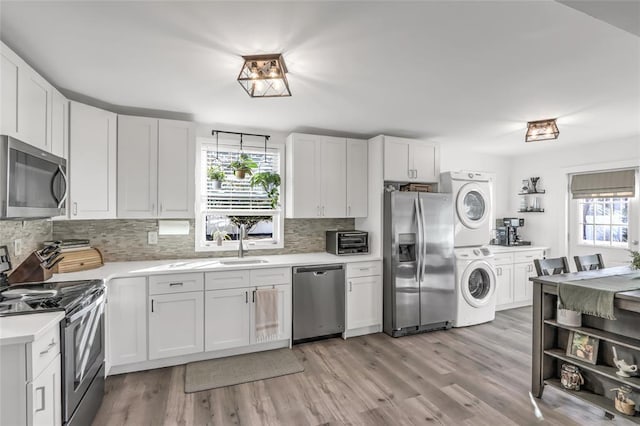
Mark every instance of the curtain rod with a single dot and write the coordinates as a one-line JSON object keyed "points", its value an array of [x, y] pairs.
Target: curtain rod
{"points": [[213, 133]]}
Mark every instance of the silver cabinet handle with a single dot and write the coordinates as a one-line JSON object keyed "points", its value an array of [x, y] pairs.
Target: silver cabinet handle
{"points": [[161, 208], [153, 207], [51, 345], [348, 210], [151, 305], [246, 297], [176, 284], [317, 210], [350, 286], [42, 400], [75, 209], [322, 210]]}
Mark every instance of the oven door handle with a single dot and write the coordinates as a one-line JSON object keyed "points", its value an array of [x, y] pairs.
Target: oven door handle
{"points": [[83, 311]]}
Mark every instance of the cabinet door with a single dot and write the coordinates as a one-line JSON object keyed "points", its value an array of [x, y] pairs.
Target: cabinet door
{"points": [[333, 177], [44, 401], [521, 284], [303, 184], [137, 167], [357, 178], [426, 161], [396, 159], [34, 98], [284, 315], [126, 320], [504, 284], [9, 66], [59, 131], [176, 164], [92, 152], [176, 324], [227, 318], [363, 301]]}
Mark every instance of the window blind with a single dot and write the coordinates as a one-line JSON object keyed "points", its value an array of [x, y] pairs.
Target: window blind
{"points": [[619, 183], [237, 194]]}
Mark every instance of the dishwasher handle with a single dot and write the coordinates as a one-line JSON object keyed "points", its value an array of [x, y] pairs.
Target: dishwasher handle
{"points": [[318, 269]]}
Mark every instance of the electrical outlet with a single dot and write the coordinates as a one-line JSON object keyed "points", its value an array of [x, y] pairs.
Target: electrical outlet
{"points": [[152, 237], [17, 246]]}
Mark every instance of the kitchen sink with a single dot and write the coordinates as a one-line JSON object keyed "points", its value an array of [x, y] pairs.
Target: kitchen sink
{"points": [[242, 261]]}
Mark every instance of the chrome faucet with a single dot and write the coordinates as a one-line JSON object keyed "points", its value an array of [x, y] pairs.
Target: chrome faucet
{"points": [[241, 249]]}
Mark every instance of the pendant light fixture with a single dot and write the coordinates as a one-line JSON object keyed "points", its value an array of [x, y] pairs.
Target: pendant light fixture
{"points": [[542, 130], [264, 76]]}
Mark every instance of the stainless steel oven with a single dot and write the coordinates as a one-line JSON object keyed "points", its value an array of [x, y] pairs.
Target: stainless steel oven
{"points": [[83, 366], [33, 182]]}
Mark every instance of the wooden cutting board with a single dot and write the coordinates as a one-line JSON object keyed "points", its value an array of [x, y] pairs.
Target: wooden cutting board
{"points": [[79, 260]]}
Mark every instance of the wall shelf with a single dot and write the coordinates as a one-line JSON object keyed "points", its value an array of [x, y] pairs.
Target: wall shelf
{"points": [[533, 193], [531, 211]]}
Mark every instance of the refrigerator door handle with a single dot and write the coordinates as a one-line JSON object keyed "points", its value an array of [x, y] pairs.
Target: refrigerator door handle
{"points": [[418, 213], [423, 254]]}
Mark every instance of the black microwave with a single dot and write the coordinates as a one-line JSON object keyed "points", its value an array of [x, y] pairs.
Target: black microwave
{"points": [[347, 242], [33, 182]]}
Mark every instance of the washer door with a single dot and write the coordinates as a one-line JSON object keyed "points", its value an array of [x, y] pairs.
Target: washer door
{"points": [[472, 205], [478, 283]]}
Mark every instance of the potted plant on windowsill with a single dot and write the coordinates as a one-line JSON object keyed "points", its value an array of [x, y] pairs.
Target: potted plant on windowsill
{"points": [[217, 175], [270, 182], [243, 166], [220, 236]]}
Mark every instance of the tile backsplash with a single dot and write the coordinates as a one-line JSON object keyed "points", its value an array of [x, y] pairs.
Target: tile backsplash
{"points": [[31, 234], [124, 239]]}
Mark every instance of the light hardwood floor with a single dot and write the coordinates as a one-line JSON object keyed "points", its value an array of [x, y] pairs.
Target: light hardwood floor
{"points": [[472, 376]]}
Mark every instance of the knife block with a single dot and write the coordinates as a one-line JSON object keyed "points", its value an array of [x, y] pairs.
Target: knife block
{"points": [[30, 270]]}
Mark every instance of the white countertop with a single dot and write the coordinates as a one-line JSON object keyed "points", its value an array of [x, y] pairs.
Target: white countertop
{"points": [[511, 249], [20, 329], [157, 267]]}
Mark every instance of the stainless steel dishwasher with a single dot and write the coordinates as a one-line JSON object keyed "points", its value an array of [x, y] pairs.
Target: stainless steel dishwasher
{"points": [[318, 302]]}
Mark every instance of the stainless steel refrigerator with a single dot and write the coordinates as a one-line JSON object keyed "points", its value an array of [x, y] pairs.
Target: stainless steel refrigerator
{"points": [[419, 276]]}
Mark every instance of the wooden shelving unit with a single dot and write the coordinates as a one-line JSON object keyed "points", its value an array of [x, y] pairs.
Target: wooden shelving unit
{"points": [[614, 338]]}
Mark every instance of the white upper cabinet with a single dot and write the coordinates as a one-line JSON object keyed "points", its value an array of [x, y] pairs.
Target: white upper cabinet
{"points": [[176, 165], [156, 160], [9, 66], [59, 125], [410, 160], [316, 179], [137, 166], [357, 177], [34, 103], [92, 171]]}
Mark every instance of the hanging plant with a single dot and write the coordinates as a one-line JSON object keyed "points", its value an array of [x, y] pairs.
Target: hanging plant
{"points": [[244, 165], [270, 183], [217, 175]]}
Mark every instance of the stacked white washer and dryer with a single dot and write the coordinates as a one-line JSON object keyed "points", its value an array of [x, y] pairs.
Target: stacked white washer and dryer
{"points": [[475, 273]]}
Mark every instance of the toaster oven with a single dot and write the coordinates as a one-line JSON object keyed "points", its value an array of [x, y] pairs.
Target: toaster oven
{"points": [[347, 242]]}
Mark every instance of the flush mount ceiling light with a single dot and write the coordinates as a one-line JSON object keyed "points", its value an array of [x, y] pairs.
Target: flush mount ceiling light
{"points": [[542, 130], [264, 76]]}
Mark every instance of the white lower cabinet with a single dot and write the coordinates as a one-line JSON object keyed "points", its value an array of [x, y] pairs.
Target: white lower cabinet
{"points": [[283, 307], [127, 321], [227, 318], [513, 270], [45, 402], [363, 296], [176, 324]]}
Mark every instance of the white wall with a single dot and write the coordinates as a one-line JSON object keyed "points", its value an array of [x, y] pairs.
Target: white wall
{"points": [[553, 166]]}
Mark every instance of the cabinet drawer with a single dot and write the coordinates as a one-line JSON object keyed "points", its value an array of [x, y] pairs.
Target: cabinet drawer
{"points": [[270, 276], [175, 283], [43, 351], [364, 269], [503, 258], [226, 279], [528, 256]]}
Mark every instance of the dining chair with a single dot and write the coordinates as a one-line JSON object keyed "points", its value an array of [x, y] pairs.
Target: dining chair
{"points": [[558, 265], [589, 263]]}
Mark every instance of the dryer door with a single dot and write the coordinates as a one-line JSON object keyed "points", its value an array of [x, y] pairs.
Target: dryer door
{"points": [[472, 205], [478, 283]]}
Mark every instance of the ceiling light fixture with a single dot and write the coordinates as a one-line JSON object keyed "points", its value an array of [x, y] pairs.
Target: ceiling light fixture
{"points": [[542, 130], [264, 76]]}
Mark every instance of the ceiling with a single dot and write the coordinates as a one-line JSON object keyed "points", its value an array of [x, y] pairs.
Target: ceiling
{"points": [[466, 73]]}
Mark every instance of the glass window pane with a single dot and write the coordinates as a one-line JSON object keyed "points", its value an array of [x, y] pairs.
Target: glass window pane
{"points": [[619, 234], [587, 233], [587, 213], [602, 233], [602, 215]]}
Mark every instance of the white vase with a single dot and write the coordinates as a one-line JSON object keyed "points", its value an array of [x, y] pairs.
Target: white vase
{"points": [[568, 317]]}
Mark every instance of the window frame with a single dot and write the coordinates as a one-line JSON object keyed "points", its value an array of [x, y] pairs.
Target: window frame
{"points": [[225, 142], [609, 244]]}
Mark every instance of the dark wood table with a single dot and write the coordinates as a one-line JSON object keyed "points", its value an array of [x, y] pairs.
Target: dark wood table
{"points": [[550, 341]]}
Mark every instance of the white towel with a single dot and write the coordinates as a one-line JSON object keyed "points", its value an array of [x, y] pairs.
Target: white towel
{"points": [[266, 315]]}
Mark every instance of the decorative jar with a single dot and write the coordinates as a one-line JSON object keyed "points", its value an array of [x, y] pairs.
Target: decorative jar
{"points": [[570, 377]]}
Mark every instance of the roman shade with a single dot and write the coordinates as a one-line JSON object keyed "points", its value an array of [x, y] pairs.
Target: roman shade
{"points": [[619, 183]]}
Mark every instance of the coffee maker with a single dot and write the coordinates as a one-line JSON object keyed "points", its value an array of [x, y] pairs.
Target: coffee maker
{"points": [[507, 232]]}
